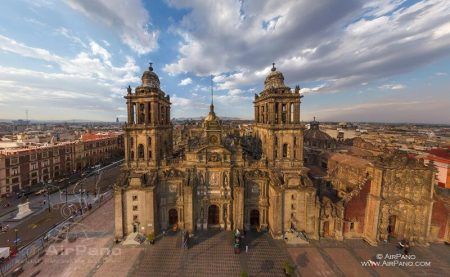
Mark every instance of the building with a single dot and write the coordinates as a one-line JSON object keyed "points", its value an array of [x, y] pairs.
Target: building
{"points": [[216, 179], [26, 165], [214, 176]]}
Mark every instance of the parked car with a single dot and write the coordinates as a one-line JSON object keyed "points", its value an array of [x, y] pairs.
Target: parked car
{"points": [[41, 191]]}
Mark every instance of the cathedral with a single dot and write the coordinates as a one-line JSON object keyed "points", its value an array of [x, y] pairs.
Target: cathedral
{"points": [[215, 179], [278, 177]]}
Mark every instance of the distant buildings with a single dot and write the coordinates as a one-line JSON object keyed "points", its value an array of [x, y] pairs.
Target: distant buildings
{"points": [[25, 164]]}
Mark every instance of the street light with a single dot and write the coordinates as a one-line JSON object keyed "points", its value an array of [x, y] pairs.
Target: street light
{"points": [[15, 242], [48, 196]]}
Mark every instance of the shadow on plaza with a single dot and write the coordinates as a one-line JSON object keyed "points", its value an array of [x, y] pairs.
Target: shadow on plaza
{"points": [[202, 236]]}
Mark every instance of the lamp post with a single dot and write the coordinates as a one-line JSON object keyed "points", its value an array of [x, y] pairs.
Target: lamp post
{"points": [[48, 196], [15, 241]]}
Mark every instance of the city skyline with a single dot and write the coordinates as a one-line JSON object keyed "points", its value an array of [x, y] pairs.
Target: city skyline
{"points": [[377, 61]]}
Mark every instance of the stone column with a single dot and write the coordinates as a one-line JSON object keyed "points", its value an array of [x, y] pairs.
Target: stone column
{"points": [[118, 210], [130, 111], [238, 213]]}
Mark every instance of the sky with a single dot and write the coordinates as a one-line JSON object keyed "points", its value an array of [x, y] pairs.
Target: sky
{"points": [[355, 60]]}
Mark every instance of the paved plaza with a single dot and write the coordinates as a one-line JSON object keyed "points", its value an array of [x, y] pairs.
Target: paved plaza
{"points": [[211, 254]]}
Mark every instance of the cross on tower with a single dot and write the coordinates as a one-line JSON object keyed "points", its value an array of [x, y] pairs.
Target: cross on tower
{"points": [[151, 66]]}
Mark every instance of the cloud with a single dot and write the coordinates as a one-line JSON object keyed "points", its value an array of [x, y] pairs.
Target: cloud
{"points": [[441, 73], [340, 43], [86, 82], [392, 86], [68, 34], [129, 18], [185, 82]]}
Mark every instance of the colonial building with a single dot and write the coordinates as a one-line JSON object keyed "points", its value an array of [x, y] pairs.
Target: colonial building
{"points": [[215, 179]]}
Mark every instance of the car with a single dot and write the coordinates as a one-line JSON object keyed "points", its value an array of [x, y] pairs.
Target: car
{"points": [[41, 191]]}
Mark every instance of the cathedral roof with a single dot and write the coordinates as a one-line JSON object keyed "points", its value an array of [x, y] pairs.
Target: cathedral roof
{"points": [[314, 133]]}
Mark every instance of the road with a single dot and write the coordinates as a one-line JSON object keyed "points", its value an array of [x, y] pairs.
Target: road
{"points": [[43, 220]]}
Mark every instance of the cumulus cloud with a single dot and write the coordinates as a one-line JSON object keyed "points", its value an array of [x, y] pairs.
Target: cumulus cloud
{"points": [[340, 43], [185, 82], [90, 78], [129, 18]]}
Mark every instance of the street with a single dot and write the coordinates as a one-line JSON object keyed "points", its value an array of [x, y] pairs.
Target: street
{"points": [[63, 203]]}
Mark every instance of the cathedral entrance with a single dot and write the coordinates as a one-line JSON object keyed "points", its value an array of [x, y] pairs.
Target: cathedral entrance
{"points": [[326, 229], [173, 217], [254, 218], [391, 226], [213, 215]]}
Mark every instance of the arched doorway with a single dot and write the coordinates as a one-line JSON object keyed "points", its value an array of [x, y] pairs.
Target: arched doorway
{"points": [[213, 215], [326, 229], [391, 225], [173, 216], [254, 218]]}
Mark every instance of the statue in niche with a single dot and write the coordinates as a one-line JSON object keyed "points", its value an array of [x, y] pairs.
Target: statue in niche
{"points": [[225, 179]]}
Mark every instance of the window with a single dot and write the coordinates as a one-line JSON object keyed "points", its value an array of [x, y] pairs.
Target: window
{"points": [[33, 156], [352, 226], [141, 151], [295, 141], [34, 174], [276, 113], [150, 154], [33, 166], [45, 154], [132, 155], [149, 141], [15, 180], [45, 163], [55, 153], [135, 218], [135, 208], [141, 114], [285, 150], [14, 160], [135, 198], [283, 113], [131, 142], [14, 171]]}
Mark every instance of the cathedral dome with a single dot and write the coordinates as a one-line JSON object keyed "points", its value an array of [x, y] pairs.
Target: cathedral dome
{"points": [[150, 79], [275, 79]]}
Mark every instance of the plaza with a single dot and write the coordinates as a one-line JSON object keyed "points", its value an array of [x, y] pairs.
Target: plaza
{"points": [[211, 253]]}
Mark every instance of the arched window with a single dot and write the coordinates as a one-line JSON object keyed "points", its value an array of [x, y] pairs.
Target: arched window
{"points": [[141, 114], [285, 150], [140, 151], [283, 113], [149, 141]]}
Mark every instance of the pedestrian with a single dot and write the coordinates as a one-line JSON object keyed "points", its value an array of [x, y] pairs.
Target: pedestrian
{"points": [[246, 248], [406, 248]]}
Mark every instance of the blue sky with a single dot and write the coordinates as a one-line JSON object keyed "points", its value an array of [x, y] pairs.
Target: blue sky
{"points": [[386, 60]]}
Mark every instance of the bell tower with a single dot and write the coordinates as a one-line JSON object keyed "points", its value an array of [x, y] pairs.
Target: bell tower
{"points": [[148, 132], [277, 122]]}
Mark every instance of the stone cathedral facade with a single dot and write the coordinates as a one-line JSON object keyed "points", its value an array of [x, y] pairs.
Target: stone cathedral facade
{"points": [[216, 180], [213, 178]]}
